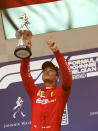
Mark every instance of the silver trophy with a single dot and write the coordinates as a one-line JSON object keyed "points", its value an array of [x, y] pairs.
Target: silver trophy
{"points": [[23, 50]]}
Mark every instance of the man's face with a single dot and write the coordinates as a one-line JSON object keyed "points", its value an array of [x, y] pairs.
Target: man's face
{"points": [[49, 75]]}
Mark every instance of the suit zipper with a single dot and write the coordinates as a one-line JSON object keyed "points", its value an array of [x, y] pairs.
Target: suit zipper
{"points": [[44, 123]]}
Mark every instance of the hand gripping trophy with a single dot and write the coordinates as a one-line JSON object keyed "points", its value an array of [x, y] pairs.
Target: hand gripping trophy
{"points": [[23, 50]]}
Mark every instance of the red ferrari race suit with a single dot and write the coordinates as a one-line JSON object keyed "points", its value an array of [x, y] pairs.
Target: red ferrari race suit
{"points": [[48, 103]]}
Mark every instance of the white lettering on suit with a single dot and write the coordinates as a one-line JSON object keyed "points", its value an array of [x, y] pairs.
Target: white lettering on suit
{"points": [[44, 101]]}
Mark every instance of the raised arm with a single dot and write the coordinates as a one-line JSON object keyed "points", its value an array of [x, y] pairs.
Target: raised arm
{"points": [[65, 71], [26, 77], [64, 67]]}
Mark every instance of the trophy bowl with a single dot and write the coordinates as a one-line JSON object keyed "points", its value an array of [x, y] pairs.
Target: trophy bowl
{"points": [[23, 50]]}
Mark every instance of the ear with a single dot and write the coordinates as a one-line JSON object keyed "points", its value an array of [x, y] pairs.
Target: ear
{"points": [[57, 77]]}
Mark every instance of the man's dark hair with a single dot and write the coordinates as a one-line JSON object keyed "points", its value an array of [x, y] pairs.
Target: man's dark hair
{"points": [[50, 64]]}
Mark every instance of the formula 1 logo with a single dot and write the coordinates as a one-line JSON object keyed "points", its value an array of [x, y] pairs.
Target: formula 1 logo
{"points": [[82, 66]]}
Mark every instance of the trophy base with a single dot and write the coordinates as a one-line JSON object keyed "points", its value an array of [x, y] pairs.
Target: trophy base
{"points": [[22, 52]]}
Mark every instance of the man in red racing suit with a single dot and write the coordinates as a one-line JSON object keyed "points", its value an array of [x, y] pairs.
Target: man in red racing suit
{"points": [[48, 103]]}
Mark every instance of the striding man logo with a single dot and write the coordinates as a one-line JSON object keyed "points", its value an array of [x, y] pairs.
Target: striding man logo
{"points": [[18, 108]]}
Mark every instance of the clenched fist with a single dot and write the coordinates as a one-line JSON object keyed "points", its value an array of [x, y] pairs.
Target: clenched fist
{"points": [[52, 44]]}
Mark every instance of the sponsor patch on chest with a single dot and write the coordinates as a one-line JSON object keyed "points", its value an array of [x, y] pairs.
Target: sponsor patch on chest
{"points": [[44, 101], [41, 93]]}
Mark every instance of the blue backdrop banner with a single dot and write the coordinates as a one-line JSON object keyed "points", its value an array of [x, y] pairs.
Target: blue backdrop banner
{"points": [[81, 111]]}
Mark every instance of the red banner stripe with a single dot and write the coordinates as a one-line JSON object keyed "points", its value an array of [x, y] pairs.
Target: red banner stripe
{"points": [[4, 4]]}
